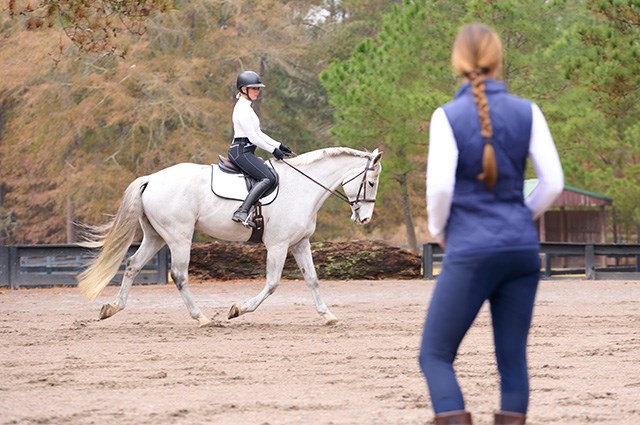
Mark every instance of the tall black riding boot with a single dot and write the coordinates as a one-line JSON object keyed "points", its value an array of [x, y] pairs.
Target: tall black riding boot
{"points": [[242, 214]]}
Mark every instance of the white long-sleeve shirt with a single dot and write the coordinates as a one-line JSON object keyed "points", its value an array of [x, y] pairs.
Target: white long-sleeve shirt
{"points": [[247, 124], [443, 161]]}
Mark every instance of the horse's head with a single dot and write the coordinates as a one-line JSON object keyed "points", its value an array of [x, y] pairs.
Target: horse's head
{"points": [[361, 187]]}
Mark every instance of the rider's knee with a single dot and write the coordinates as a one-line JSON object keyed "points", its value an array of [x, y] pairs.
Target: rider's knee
{"points": [[271, 180]]}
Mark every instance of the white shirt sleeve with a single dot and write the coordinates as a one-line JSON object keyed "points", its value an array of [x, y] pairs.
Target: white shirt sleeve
{"points": [[441, 173], [247, 124], [546, 163]]}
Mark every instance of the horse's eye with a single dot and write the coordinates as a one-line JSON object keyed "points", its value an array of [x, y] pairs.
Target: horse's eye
{"points": [[371, 184]]}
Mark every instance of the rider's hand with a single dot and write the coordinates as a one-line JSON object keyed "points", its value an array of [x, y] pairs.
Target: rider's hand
{"points": [[285, 149], [278, 153]]}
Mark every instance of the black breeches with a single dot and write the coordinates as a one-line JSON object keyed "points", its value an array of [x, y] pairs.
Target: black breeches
{"points": [[243, 156]]}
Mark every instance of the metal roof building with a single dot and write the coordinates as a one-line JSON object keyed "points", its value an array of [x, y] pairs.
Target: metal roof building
{"points": [[575, 216]]}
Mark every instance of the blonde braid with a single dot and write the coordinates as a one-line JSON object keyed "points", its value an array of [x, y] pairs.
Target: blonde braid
{"points": [[477, 52], [489, 172]]}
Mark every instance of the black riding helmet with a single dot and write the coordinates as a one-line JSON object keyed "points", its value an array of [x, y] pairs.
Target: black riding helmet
{"points": [[248, 79]]}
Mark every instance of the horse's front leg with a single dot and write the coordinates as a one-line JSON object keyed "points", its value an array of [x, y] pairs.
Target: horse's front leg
{"points": [[276, 255], [302, 254]]}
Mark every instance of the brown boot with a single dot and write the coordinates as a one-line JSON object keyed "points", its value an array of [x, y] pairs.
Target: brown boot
{"points": [[458, 417], [510, 418]]}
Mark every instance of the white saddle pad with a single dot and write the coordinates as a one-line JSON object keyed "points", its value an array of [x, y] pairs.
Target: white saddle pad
{"points": [[234, 186]]}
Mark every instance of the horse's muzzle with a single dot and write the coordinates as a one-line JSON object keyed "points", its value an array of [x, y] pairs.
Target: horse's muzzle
{"points": [[363, 221]]}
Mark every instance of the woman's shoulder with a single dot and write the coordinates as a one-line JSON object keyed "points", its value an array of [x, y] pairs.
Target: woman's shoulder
{"points": [[242, 106], [519, 99]]}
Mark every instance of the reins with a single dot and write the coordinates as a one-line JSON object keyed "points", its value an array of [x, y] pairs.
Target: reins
{"points": [[337, 194]]}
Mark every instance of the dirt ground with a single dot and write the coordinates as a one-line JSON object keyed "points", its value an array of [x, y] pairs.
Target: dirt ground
{"points": [[151, 364]]}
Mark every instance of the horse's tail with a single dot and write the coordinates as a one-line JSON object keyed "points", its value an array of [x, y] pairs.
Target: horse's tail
{"points": [[115, 238]]}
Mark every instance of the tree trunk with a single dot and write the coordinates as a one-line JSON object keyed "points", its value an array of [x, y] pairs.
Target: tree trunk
{"points": [[71, 227], [408, 217], [68, 169], [71, 231]]}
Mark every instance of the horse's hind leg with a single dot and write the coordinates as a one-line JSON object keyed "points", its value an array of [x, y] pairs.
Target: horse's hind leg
{"points": [[151, 244], [180, 255], [275, 261], [302, 254]]}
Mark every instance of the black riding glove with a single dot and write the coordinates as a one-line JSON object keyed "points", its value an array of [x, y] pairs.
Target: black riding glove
{"points": [[285, 149], [278, 153]]}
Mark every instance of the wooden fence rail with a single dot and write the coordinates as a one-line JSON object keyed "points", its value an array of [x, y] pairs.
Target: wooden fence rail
{"points": [[432, 253], [58, 265]]}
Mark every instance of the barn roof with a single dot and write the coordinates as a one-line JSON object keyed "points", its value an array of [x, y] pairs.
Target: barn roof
{"points": [[571, 196]]}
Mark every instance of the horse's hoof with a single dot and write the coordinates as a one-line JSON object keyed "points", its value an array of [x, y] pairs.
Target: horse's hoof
{"points": [[107, 311], [234, 311], [203, 322], [330, 320]]}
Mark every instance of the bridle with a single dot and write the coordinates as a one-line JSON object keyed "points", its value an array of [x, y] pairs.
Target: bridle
{"points": [[362, 190]]}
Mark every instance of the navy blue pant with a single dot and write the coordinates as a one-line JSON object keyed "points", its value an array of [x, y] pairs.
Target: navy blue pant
{"points": [[509, 281]]}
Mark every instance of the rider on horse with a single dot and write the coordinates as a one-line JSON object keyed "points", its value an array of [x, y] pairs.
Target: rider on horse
{"points": [[247, 136]]}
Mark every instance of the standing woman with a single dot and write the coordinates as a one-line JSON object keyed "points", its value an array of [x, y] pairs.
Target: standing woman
{"points": [[478, 146], [246, 137]]}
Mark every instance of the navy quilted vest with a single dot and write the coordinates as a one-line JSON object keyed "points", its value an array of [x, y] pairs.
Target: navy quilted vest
{"points": [[483, 221]]}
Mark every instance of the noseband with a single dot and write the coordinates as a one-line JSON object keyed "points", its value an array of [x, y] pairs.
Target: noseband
{"points": [[362, 190]]}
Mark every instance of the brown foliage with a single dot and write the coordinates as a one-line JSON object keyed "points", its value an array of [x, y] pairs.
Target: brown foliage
{"points": [[34, 23], [92, 26]]}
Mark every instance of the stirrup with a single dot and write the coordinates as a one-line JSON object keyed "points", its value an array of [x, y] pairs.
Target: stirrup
{"points": [[247, 221]]}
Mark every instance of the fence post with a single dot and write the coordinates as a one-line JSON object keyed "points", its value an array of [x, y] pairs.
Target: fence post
{"points": [[427, 261], [589, 262], [547, 265], [14, 267], [5, 270]]}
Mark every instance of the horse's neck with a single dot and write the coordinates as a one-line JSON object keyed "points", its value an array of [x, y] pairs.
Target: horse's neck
{"points": [[329, 172], [332, 171]]}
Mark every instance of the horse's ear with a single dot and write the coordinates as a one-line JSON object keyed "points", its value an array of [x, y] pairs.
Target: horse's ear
{"points": [[376, 155]]}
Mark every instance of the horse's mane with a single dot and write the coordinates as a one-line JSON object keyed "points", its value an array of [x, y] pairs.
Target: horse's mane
{"points": [[313, 156]]}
